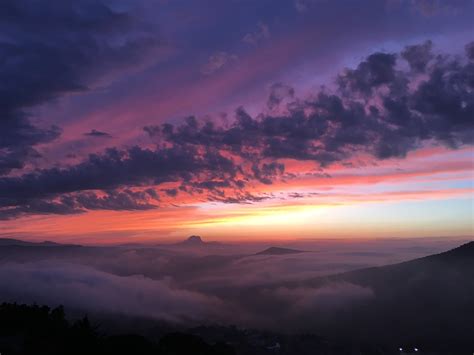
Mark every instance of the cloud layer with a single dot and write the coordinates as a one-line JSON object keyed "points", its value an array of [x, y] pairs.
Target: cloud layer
{"points": [[387, 106], [85, 288], [223, 283], [378, 108]]}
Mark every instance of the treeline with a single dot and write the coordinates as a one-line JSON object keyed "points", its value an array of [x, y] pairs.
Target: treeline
{"points": [[40, 330]]}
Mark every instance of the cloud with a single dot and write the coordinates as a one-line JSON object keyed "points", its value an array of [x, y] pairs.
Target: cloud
{"points": [[333, 295], [18, 136], [261, 34], [436, 7], [48, 190], [304, 5], [217, 61], [430, 8], [79, 202], [377, 108], [376, 70], [278, 93], [117, 200], [98, 134], [418, 56], [54, 48], [171, 192], [470, 51], [85, 288]]}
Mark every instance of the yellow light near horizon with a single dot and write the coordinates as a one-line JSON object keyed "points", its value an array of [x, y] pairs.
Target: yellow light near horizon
{"points": [[272, 216]]}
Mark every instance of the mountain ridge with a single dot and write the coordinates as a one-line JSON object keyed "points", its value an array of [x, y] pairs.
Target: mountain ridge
{"points": [[19, 242], [279, 251]]}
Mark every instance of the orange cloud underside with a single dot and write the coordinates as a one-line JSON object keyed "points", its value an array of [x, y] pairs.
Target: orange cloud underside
{"points": [[322, 204]]}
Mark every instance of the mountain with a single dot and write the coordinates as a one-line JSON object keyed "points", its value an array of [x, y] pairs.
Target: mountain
{"points": [[427, 302], [23, 251], [16, 242], [455, 263], [195, 241], [279, 251]]}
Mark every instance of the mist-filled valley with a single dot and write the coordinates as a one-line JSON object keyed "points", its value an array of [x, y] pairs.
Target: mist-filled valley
{"points": [[379, 292]]}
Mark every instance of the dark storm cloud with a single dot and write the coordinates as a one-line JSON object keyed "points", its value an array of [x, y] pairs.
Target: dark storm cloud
{"points": [[98, 134], [51, 48], [377, 108]]}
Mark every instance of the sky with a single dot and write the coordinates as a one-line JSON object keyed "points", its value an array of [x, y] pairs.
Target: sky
{"points": [[153, 120]]}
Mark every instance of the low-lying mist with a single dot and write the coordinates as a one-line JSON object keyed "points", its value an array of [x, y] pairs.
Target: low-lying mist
{"points": [[289, 289]]}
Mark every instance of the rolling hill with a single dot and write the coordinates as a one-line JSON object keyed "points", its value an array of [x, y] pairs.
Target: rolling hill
{"points": [[427, 302]]}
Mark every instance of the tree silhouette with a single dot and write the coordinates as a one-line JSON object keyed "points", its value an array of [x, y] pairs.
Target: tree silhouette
{"points": [[38, 330]]}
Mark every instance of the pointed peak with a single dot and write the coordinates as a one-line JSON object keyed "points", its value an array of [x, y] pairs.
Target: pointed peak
{"points": [[194, 239]]}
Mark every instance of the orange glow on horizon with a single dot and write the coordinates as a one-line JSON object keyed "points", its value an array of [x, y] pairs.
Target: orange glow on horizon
{"points": [[342, 205]]}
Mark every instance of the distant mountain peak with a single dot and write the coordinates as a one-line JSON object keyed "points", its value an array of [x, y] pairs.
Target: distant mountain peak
{"points": [[194, 239], [279, 251]]}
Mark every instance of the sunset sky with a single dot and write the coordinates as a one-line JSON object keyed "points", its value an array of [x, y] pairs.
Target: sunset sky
{"points": [[151, 120]]}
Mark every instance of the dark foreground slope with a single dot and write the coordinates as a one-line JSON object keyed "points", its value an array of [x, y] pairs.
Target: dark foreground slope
{"points": [[40, 330], [427, 302]]}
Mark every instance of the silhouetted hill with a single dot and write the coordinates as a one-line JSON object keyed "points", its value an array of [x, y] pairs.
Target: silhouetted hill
{"points": [[38, 251], [464, 253], [195, 241], [279, 251], [456, 263], [427, 301], [16, 242], [23, 251]]}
